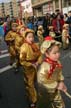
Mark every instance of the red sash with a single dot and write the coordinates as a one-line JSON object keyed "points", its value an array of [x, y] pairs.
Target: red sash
{"points": [[53, 65]]}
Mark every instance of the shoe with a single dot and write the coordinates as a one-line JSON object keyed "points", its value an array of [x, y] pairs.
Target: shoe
{"points": [[16, 70], [11, 63], [33, 106]]}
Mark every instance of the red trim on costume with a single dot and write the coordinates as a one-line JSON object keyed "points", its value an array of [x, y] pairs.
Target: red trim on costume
{"points": [[53, 65], [48, 38]]}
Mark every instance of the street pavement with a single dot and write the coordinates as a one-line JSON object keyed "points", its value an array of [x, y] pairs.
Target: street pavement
{"points": [[12, 87]]}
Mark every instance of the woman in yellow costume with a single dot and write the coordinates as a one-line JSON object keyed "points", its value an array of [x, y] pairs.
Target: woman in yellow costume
{"points": [[10, 40], [30, 58], [65, 36]]}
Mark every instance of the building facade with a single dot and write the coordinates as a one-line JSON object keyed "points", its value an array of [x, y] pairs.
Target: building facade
{"points": [[10, 8], [41, 7], [26, 8]]}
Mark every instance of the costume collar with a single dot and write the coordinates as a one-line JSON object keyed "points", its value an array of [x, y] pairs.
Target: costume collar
{"points": [[53, 65]]}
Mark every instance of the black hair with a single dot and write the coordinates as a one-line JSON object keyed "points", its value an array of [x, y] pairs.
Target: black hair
{"points": [[69, 11], [28, 33], [66, 15], [50, 48]]}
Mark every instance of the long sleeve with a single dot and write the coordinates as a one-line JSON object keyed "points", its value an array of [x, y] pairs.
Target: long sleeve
{"points": [[23, 55], [60, 76], [18, 43], [8, 36]]}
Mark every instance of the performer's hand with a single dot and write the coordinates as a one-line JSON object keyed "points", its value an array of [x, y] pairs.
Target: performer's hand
{"points": [[62, 87], [59, 31], [35, 65]]}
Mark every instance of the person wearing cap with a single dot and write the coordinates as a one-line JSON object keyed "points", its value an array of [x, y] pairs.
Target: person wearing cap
{"points": [[10, 40], [51, 32], [40, 32], [30, 58], [65, 36], [49, 76]]}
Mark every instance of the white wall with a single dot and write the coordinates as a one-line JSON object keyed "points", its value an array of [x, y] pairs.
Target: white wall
{"points": [[66, 9], [27, 6]]}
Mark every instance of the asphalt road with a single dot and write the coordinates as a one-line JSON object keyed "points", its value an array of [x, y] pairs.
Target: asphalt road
{"points": [[12, 87]]}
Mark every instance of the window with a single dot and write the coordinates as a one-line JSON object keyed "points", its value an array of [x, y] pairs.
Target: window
{"points": [[67, 3], [57, 4]]}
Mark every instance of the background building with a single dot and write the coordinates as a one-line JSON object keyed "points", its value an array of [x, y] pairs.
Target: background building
{"points": [[33, 7], [26, 8], [41, 7], [10, 8], [16, 7], [66, 4]]}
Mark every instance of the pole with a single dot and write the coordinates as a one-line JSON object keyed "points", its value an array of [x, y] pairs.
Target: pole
{"points": [[20, 9]]}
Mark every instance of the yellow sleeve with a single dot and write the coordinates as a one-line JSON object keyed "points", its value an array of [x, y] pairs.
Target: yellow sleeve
{"points": [[23, 53], [64, 33], [17, 45], [39, 33], [40, 58], [9, 37], [60, 76]]}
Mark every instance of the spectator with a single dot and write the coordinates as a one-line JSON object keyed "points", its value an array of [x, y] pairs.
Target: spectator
{"points": [[69, 22], [30, 23]]}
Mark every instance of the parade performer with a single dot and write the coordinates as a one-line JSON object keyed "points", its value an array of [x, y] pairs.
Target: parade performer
{"points": [[19, 40], [65, 36], [49, 75], [40, 32], [30, 58], [10, 40], [51, 32]]}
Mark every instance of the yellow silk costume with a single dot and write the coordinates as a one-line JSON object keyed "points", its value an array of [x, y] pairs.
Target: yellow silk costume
{"points": [[40, 36], [50, 96], [10, 39], [52, 34], [65, 38], [19, 40], [29, 55]]}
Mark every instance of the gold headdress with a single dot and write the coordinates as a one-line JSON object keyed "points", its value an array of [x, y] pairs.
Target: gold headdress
{"points": [[28, 31], [47, 44]]}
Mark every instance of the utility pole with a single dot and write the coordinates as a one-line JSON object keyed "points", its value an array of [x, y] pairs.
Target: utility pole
{"points": [[20, 8]]}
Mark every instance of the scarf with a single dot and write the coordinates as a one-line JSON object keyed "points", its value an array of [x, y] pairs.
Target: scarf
{"points": [[33, 46], [53, 65]]}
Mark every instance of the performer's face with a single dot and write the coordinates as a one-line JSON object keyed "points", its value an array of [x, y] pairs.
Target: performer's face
{"points": [[14, 28], [54, 54], [30, 38], [21, 30]]}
